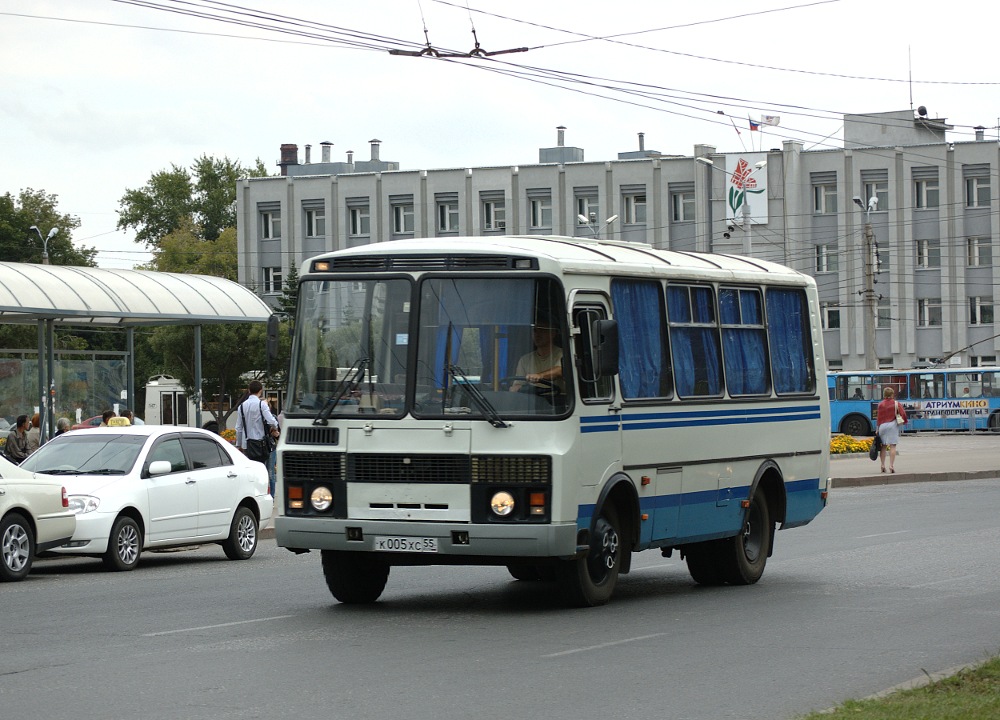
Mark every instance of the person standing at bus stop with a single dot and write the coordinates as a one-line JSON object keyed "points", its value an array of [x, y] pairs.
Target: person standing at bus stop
{"points": [[891, 415]]}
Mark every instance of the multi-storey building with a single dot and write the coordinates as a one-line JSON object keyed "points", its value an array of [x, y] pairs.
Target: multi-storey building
{"points": [[927, 279]]}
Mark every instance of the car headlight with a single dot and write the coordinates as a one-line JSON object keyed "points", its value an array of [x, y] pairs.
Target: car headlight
{"points": [[502, 503], [321, 498], [81, 504]]}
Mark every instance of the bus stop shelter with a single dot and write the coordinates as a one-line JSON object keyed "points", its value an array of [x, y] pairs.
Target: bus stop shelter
{"points": [[49, 295]]}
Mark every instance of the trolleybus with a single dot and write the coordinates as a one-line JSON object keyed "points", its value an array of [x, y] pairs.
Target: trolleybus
{"points": [[674, 402]]}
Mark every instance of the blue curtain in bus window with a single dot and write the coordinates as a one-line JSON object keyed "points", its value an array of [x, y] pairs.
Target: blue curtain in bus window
{"points": [[695, 341], [788, 333], [743, 341], [640, 337]]}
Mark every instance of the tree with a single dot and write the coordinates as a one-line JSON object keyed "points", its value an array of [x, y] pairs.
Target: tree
{"points": [[19, 243], [203, 198]]}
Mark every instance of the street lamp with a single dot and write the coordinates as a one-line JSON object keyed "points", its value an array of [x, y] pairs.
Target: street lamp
{"points": [[45, 241], [742, 185], [589, 222], [870, 249]]}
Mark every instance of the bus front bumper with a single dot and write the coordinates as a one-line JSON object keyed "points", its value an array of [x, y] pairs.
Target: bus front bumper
{"points": [[452, 541]]}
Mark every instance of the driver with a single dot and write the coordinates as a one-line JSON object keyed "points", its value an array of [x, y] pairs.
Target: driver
{"points": [[544, 363]]}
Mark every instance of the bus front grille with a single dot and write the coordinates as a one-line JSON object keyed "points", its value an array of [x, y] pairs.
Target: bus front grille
{"points": [[316, 466], [408, 468]]}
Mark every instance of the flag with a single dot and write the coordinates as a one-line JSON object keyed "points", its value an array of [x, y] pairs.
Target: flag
{"points": [[754, 125], [770, 119]]}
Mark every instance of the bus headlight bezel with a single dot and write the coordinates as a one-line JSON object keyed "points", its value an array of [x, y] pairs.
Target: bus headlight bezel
{"points": [[502, 503], [321, 498]]}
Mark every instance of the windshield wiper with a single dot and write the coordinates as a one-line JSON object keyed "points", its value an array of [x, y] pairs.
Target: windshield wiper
{"points": [[102, 471], [58, 471], [478, 399], [353, 377]]}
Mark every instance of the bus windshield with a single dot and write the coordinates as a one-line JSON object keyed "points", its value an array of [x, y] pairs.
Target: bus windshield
{"points": [[483, 347]]}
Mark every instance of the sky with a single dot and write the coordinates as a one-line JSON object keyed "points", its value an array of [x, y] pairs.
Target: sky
{"points": [[97, 95]]}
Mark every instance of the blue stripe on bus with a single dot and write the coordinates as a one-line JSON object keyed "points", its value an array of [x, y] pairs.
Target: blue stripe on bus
{"points": [[689, 418]]}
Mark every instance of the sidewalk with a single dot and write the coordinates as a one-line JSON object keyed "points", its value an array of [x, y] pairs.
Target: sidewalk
{"points": [[924, 457]]}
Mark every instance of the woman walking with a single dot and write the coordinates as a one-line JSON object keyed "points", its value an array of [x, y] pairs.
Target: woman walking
{"points": [[890, 416]]}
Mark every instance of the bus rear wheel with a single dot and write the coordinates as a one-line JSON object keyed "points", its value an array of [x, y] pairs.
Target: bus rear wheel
{"points": [[855, 425], [591, 580], [354, 578], [704, 562], [745, 555]]}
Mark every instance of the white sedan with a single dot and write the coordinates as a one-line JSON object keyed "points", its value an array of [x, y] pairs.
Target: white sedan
{"points": [[34, 517], [156, 486]]}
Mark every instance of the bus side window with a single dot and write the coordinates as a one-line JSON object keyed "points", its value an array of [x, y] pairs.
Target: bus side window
{"points": [[591, 387]]}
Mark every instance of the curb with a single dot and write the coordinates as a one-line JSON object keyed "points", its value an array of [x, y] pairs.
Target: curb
{"points": [[899, 478]]}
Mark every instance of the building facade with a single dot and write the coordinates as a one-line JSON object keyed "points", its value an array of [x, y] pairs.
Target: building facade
{"points": [[926, 271]]}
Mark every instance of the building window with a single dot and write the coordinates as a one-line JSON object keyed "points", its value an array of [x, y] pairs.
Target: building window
{"points": [[927, 194], [316, 223], [270, 225], [682, 206], [880, 190], [980, 251], [928, 312], [928, 253], [634, 209], [831, 315], [983, 361], [360, 221], [587, 207], [447, 216], [883, 315], [824, 199], [272, 280], [980, 310], [541, 213], [494, 215], [402, 219], [826, 258], [977, 192]]}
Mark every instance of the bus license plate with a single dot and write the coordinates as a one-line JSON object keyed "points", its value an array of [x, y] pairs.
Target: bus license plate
{"points": [[406, 544]]}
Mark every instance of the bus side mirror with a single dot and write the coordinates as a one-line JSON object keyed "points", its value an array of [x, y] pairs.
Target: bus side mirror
{"points": [[604, 336], [272, 339]]}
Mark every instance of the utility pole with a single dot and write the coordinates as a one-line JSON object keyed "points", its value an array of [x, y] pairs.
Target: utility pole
{"points": [[869, 297]]}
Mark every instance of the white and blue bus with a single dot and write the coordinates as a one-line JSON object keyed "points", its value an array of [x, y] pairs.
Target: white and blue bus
{"points": [[934, 398], [682, 409]]}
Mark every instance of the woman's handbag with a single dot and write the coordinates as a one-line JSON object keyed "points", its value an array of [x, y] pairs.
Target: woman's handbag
{"points": [[899, 417], [876, 446]]}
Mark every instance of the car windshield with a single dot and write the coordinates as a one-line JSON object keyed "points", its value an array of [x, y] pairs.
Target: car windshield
{"points": [[86, 454]]}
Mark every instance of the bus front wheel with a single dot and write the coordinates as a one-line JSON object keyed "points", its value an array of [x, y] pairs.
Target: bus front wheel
{"points": [[354, 578], [855, 425], [590, 581]]}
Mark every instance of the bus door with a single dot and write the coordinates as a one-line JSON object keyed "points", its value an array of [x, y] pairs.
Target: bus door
{"points": [[599, 445]]}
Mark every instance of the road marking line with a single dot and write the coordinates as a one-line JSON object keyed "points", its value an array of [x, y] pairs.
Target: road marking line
{"points": [[603, 645], [941, 582], [213, 627], [865, 537]]}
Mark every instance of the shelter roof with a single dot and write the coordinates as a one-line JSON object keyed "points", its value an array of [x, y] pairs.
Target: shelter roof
{"points": [[73, 295]]}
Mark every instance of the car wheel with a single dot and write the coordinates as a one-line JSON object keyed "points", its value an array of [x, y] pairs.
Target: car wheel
{"points": [[242, 540], [124, 545], [17, 545], [354, 578], [591, 580]]}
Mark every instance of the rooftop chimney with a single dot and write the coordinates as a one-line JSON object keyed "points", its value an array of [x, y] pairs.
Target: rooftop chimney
{"points": [[561, 141], [289, 156], [350, 157], [308, 154], [325, 149], [642, 141], [980, 133], [375, 144]]}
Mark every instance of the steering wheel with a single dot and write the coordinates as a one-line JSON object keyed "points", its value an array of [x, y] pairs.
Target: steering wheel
{"points": [[543, 388]]}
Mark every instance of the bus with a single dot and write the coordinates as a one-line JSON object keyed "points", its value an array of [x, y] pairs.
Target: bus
{"points": [[681, 410], [958, 398]]}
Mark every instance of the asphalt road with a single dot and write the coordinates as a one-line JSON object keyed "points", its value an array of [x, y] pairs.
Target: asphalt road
{"points": [[888, 582]]}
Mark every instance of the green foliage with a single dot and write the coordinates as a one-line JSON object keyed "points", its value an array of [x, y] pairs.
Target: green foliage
{"points": [[202, 200], [289, 298], [19, 243], [183, 251]]}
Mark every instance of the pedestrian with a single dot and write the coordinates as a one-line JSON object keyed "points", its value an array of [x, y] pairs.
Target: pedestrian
{"points": [[132, 419], [62, 425], [105, 416], [891, 415], [34, 434], [273, 457], [256, 427], [16, 448]]}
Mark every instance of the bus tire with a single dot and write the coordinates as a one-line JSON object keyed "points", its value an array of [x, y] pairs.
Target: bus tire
{"points": [[704, 562], [855, 425], [745, 555], [354, 578], [994, 422], [590, 581]]}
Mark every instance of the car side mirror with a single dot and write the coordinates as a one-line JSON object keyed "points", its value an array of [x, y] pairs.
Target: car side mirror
{"points": [[159, 467], [604, 335]]}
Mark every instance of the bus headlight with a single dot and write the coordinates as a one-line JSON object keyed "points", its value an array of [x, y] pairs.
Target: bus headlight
{"points": [[321, 498], [502, 503]]}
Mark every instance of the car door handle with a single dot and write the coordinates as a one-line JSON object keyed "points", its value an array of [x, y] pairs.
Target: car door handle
{"points": [[232, 474], [190, 481]]}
